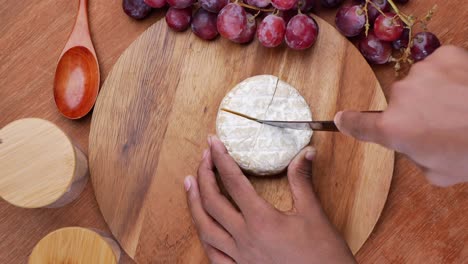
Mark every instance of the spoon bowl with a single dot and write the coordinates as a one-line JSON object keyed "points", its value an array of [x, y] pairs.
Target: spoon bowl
{"points": [[76, 82], [77, 78]]}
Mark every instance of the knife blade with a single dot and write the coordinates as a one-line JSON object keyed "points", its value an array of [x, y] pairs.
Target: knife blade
{"points": [[303, 125], [298, 125]]}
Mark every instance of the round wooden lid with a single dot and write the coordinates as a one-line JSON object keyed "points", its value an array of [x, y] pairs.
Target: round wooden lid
{"points": [[74, 245], [38, 163]]}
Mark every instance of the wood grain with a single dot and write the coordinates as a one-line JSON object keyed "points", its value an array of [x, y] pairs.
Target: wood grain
{"points": [[40, 165], [419, 224], [75, 245], [157, 107]]}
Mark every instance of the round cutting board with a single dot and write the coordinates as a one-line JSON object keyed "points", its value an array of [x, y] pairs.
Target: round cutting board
{"points": [[159, 103]]}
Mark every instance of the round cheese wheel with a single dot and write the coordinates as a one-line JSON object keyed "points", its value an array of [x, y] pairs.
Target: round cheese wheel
{"points": [[257, 148]]}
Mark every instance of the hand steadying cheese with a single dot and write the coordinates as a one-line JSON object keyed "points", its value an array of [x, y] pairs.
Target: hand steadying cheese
{"points": [[426, 118], [259, 233]]}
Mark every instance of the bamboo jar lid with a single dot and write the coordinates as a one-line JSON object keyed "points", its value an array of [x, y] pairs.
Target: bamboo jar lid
{"points": [[75, 245], [39, 165]]}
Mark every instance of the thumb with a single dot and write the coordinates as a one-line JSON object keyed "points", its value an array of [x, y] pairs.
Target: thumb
{"points": [[300, 180], [360, 125]]}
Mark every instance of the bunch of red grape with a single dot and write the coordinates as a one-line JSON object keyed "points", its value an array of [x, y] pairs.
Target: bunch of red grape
{"points": [[381, 27], [281, 20]]}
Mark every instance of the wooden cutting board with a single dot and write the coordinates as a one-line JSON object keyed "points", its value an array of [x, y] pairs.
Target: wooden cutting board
{"points": [[159, 103]]}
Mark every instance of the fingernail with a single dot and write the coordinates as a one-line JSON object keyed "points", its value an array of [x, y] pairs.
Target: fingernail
{"points": [[209, 140], [310, 154], [187, 183], [205, 153], [338, 117]]}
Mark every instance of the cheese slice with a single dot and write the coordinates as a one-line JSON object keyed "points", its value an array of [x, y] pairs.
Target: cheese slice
{"points": [[262, 149]]}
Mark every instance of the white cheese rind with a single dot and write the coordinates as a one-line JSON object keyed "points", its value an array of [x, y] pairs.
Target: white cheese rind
{"points": [[263, 149]]}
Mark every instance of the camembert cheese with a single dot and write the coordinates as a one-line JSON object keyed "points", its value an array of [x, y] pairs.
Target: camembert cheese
{"points": [[262, 149]]}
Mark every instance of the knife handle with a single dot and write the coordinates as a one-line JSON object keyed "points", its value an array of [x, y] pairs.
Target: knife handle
{"points": [[372, 111], [323, 126], [330, 125]]}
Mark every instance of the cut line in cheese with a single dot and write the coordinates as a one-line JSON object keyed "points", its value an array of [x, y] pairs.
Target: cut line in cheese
{"points": [[257, 148]]}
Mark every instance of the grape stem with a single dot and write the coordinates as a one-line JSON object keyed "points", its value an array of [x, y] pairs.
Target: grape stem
{"points": [[258, 13], [399, 13], [376, 7], [367, 17], [254, 7], [409, 21]]}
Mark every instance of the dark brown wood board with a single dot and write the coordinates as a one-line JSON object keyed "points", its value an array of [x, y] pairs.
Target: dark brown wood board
{"points": [[158, 105]]}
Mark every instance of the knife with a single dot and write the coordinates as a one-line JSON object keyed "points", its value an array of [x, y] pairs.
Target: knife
{"points": [[298, 125]]}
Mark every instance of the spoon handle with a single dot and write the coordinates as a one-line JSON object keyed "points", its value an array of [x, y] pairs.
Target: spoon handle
{"points": [[80, 35], [81, 22]]}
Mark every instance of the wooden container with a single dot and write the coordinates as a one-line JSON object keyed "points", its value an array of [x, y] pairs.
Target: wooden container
{"points": [[39, 165], [76, 245]]}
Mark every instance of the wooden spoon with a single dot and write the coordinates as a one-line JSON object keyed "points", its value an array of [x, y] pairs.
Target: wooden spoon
{"points": [[76, 83]]}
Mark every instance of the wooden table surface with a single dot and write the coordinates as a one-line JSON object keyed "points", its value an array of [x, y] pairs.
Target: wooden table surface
{"points": [[420, 223]]}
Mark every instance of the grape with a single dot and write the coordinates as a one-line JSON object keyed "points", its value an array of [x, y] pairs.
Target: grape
{"points": [[305, 5], [402, 41], [388, 27], [232, 20], [248, 33], [331, 3], [424, 43], [284, 4], [179, 19], [258, 3], [375, 50], [204, 24], [350, 20], [373, 12], [180, 4], [213, 5], [271, 31], [301, 32], [155, 3], [136, 9]]}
